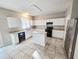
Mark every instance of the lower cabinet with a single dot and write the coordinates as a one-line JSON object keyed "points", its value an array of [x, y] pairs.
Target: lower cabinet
{"points": [[15, 36], [28, 33], [58, 34], [39, 38]]}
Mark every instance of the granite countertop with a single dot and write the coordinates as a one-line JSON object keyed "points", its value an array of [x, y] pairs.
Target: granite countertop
{"points": [[13, 30], [19, 29], [39, 31], [55, 27]]}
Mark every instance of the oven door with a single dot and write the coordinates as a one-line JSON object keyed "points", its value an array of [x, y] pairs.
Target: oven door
{"points": [[21, 36]]}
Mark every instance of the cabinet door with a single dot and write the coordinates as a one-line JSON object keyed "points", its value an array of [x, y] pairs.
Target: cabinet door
{"points": [[26, 23], [13, 22], [58, 34], [39, 38], [14, 38], [28, 33], [4, 31], [1, 43]]}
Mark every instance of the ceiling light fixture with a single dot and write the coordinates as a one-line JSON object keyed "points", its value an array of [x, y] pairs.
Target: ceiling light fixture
{"points": [[26, 14]]}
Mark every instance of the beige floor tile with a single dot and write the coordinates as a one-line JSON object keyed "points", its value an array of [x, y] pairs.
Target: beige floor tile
{"points": [[53, 50], [13, 52], [29, 51], [9, 48], [60, 56], [27, 57], [19, 56], [4, 56]]}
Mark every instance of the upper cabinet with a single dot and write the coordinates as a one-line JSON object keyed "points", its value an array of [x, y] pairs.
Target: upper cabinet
{"points": [[14, 22], [26, 23], [57, 21], [22, 22]]}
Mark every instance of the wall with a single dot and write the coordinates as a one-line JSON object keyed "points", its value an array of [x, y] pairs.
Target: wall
{"points": [[71, 12], [8, 13], [53, 16]]}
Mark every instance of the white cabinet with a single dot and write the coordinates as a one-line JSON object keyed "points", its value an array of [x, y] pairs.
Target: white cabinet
{"points": [[28, 33], [26, 23], [14, 38], [4, 33], [39, 38], [1, 43], [57, 21], [14, 22], [57, 33]]}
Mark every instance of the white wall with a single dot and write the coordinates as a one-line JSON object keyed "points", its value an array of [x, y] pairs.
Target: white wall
{"points": [[14, 22], [72, 12], [8, 12]]}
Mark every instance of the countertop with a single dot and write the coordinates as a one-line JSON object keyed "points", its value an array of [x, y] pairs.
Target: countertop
{"points": [[55, 27], [14, 30]]}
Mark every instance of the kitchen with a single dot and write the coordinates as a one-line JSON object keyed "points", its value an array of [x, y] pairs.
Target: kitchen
{"points": [[17, 28]]}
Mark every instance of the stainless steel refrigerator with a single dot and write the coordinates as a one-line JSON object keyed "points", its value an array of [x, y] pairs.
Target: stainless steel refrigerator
{"points": [[71, 36]]}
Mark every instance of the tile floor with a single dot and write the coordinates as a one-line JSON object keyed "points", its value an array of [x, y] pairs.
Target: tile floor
{"points": [[53, 50]]}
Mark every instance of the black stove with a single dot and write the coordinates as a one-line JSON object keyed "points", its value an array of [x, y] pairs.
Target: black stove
{"points": [[21, 36], [49, 29]]}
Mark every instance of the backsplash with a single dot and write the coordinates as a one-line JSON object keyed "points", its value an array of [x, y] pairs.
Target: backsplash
{"points": [[55, 27]]}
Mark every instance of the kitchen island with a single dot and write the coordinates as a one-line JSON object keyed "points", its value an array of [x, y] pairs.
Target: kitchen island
{"points": [[39, 37]]}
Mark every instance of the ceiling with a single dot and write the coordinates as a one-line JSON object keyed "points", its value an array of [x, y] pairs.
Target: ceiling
{"points": [[36, 7]]}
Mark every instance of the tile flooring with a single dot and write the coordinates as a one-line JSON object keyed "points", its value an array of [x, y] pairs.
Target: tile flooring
{"points": [[53, 50]]}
